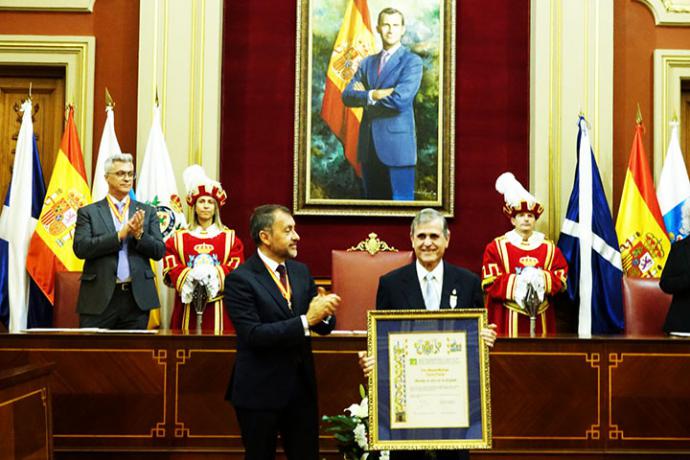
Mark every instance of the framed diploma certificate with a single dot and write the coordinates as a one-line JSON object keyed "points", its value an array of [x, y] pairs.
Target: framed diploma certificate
{"points": [[430, 386]]}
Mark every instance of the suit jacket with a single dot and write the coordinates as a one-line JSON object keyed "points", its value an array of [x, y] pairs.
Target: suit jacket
{"points": [[95, 240], [273, 354], [390, 122], [400, 289], [675, 279]]}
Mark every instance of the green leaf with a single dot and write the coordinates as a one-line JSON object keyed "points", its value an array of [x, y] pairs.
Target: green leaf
{"points": [[362, 391], [344, 438]]}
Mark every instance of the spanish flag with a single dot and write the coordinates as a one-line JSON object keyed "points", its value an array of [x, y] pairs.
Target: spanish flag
{"points": [[355, 41], [50, 249], [642, 236]]}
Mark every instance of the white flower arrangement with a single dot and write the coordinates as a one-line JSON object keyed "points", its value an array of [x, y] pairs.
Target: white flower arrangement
{"points": [[350, 431]]}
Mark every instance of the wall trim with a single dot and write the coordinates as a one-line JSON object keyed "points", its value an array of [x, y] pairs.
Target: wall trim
{"points": [[671, 67], [187, 80], [669, 12], [77, 54], [571, 71], [84, 6]]}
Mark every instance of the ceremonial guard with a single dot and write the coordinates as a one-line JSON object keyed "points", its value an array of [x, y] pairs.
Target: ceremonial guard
{"points": [[522, 270], [198, 259]]}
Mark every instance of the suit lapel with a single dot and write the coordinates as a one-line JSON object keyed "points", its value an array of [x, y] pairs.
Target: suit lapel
{"points": [[412, 289], [104, 211], [264, 278], [298, 287], [448, 285], [132, 208]]}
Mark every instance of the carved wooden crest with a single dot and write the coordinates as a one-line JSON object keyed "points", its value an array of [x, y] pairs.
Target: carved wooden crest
{"points": [[373, 245]]}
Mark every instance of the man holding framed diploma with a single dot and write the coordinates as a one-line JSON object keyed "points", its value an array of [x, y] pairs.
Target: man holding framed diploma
{"points": [[427, 360]]}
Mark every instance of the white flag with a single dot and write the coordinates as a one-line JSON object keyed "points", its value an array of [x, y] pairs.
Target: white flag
{"points": [[109, 145], [157, 187], [673, 188], [17, 224]]}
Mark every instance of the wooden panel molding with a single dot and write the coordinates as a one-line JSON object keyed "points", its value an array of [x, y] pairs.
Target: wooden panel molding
{"points": [[82, 6], [162, 396], [77, 55]]}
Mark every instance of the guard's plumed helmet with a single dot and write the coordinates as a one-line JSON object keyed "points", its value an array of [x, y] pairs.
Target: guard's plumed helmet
{"points": [[517, 199], [198, 184]]}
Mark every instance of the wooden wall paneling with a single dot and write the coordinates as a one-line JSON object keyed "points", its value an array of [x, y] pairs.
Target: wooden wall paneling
{"points": [[649, 398], [162, 396], [201, 415], [25, 413], [546, 398]]}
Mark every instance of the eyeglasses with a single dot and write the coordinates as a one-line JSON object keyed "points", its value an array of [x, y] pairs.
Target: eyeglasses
{"points": [[123, 174]]}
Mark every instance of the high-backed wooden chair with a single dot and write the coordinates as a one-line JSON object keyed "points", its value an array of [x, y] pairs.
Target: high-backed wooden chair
{"points": [[645, 306], [66, 293], [356, 274]]}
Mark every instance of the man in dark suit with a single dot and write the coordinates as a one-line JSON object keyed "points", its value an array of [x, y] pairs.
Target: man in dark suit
{"points": [[385, 86], [274, 304], [429, 282], [117, 237], [675, 280]]}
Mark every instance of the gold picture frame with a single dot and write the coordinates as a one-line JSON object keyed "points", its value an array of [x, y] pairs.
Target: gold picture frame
{"points": [[430, 387], [326, 164]]}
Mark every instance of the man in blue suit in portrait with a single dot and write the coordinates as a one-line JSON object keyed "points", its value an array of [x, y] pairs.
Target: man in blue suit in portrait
{"points": [[385, 85]]}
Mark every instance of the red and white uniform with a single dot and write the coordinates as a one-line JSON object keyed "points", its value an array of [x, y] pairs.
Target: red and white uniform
{"points": [[504, 259], [185, 250]]}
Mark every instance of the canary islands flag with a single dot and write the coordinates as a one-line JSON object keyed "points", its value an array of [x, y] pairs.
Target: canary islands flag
{"points": [[673, 189]]}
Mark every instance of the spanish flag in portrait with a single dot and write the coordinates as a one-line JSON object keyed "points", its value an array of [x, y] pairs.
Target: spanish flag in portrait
{"points": [[354, 42]]}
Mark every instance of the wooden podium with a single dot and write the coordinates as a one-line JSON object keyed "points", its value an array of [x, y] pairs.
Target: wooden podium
{"points": [[162, 396]]}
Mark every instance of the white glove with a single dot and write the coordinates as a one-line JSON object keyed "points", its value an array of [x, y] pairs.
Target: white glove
{"points": [[520, 290], [187, 289], [207, 276], [535, 277], [529, 276]]}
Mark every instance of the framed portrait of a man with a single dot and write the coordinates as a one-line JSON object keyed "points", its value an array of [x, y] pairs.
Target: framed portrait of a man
{"points": [[374, 107]]}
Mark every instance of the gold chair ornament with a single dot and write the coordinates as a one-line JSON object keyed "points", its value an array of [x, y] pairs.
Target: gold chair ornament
{"points": [[373, 245]]}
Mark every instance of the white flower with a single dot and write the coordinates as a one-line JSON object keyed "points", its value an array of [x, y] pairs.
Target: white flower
{"points": [[360, 410], [360, 433]]}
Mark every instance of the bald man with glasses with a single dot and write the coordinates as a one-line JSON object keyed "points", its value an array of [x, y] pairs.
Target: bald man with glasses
{"points": [[117, 237]]}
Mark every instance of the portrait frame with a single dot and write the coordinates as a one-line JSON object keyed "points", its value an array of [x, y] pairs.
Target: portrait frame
{"points": [[324, 181], [386, 329]]}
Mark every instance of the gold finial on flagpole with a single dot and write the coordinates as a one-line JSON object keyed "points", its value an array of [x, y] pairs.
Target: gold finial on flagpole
{"points": [[30, 88], [69, 106], [108, 100], [638, 117], [675, 118]]}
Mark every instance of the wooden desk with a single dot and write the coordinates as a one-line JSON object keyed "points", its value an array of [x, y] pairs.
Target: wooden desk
{"points": [[25, 415], [592, 398]]}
